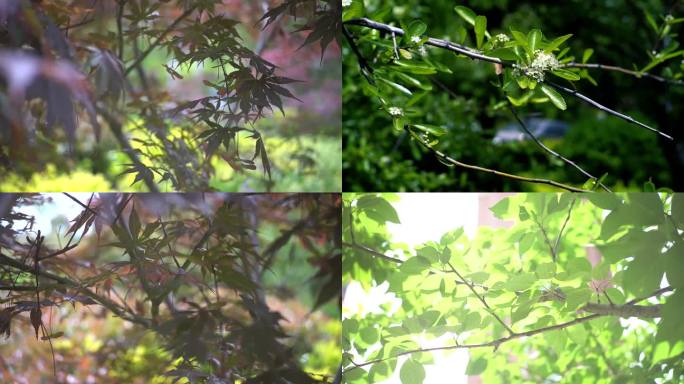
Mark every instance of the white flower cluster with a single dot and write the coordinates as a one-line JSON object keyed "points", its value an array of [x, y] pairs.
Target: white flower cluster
{"points": [[346, 3], [500, 40], [395, 111], [415, 39], [541, 63]]}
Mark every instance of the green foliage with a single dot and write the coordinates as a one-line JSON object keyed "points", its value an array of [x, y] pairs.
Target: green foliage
{"points": [[543, 295], [439, 88]]}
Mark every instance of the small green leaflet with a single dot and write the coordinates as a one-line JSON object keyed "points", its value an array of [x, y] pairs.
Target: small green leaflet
{"points": [[555, 97], [534, 39], [476, 366], [412, 372], [480, 29]]}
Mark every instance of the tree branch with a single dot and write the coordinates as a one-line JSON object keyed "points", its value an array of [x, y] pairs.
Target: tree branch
{"points": [[605, 109], [105, 302], [624, 70], [117, 130], [482, 300], [550, 151], [450, 160], [497, 342], [440, 43], [627, 310]]}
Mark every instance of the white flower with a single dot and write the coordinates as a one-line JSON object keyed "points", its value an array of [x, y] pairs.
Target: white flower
{"points": [[501, 38], [541, 63], [415, 39], [422, 50], [395, 111], [346, 3]]}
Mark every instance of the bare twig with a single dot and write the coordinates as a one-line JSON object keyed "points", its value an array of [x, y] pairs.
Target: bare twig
{"points": [[624, 70], [605, 109], [447, 159]]}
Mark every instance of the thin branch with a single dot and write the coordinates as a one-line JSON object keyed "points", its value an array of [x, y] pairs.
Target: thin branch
{"points": [[641, 311], [450, 160], [473, 54], [366, 69], [496, 343], [482, 299], [119, 26], [117, 130], [565, 223], [552, 250], [372, 252], [440, 43], [605, 109], [511, 107], [624, 70], [154, 45], [77, 201], [105, 302]]}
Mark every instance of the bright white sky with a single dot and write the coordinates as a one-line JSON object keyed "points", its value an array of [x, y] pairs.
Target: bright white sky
{"points": [[423, 217]]}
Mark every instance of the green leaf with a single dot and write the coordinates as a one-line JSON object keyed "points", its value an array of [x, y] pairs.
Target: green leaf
{"points": [[677, 211], [565, 74], [370, 335], [523, 215], [578, 334], [577, 297], [502, 53], [587, 54], [480, 28], [451, 236], [431, 129], [416, 28], [555, 97], [546, 270], [520, 282], [607, 201], [411, 67], [478, 277], [472, 321], [552, 46], [674, 262], [354, 10], [466, 13], [520, 312], [501, 208], [396, 86], [378, 209], [526, 242], [476, 366], [534, 39], [398, 123], [412, 372], [414, 265]]}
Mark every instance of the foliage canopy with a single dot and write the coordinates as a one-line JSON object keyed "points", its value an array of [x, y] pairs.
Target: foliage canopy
{"points": [[210, 284], [545, 300]]}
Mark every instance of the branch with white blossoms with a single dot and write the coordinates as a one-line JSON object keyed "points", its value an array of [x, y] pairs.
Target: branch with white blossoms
{"points": [[542, 62]]}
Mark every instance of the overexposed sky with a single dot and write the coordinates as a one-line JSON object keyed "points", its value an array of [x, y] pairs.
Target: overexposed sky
{"points": [[424, 217]]}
